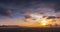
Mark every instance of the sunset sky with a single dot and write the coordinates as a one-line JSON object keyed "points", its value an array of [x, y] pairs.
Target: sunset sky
{"points": [[13, 11]]}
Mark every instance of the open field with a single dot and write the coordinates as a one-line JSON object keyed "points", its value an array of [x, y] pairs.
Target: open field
{"points": [[25, 29]]}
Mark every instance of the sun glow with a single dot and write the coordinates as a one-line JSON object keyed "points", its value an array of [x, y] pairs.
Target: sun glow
{"points": [[43, 20]]}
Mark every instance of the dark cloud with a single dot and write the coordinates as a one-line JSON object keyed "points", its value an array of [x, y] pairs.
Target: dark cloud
{"points": [[5, 12], [27, 6]]}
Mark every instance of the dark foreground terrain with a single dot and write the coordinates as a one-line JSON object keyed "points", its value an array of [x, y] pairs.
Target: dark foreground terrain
{"points": [[22, 29]]}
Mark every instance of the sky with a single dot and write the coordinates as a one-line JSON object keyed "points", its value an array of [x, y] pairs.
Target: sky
{"points": [[13, 11]]}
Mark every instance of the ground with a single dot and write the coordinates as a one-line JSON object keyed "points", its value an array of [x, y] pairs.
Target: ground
{"points": [[25, 29]]}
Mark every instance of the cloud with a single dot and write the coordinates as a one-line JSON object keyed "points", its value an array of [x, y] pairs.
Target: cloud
{"points": [[16, 9], [5, 12]]}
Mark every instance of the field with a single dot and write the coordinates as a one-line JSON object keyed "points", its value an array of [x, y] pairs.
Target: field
{"points": [[25, 29]]}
